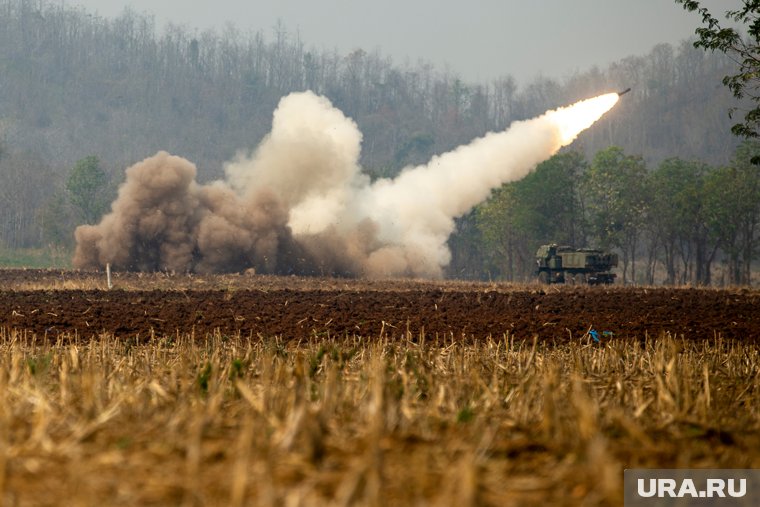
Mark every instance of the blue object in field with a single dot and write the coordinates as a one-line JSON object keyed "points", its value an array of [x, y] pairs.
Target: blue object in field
{"points": [[595, 334]]}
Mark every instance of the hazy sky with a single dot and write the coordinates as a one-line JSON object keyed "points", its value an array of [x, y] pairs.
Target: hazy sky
{"points": [[480, 40]]}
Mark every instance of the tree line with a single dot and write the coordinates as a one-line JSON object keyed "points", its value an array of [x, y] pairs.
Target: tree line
{"points": [[74, 84], [672, 224]]}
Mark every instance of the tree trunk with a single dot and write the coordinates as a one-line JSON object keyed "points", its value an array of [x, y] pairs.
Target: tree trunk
{"points": [[625, 266], [632, 259], [510, 260], [670, 263], [651, 261], [708, 266], [699, 261]]}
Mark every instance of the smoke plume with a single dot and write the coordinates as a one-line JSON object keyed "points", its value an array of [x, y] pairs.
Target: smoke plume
{"points": [[300, 204]]}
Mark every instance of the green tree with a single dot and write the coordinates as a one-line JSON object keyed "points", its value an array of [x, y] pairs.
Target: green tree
{"points": [[747, 198], [541, 208], [24, 185], [745, 51], [616, 202], [548, 205], [86, 187], [469, 258], [733, 211], [496, 223], [56, 222], [678, 218]]}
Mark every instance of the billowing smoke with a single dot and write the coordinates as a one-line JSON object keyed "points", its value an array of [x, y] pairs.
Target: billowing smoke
{"points": [[300, 203]]}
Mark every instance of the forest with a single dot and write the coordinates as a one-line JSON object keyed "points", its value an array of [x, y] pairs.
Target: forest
{"points": [[661, 179]]}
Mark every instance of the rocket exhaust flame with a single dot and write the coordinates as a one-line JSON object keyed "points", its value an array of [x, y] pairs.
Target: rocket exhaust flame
{"points": [[300, 203], [575, 119]]}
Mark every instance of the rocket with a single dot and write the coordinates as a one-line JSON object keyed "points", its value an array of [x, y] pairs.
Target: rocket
{"points": [[620, 94]]}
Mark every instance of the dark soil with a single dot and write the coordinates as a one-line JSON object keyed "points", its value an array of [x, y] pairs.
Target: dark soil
{"points": [[299, 309]]}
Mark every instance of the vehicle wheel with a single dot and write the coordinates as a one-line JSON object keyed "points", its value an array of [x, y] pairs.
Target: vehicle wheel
{"points": [[569, 279], [580, 279], [543, 278]]}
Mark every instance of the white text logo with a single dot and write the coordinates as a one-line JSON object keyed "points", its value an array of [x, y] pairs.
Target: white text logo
{"points": [[715, 488]]}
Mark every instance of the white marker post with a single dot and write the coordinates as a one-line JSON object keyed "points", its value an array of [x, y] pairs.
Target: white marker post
{"points": [[108, 275]]}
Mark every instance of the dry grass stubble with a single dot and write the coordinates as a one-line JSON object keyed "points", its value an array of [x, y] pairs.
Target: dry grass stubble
{"points": [[229, 421]]}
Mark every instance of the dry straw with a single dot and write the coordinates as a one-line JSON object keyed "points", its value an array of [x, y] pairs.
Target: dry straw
{"points": [[229, 421]]}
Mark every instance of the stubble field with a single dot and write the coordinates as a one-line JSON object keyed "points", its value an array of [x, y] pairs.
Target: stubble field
{"points": [[251, 390]]}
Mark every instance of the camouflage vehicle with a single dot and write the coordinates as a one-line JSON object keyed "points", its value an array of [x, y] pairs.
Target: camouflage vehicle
{"points": [[580, 266]]}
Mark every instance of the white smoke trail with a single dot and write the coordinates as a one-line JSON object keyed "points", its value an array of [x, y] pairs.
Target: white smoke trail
{"points": [[300, 202], [415, 211]]}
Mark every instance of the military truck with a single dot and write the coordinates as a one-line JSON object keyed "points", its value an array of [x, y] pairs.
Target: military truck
{"points": [[579, 266]]}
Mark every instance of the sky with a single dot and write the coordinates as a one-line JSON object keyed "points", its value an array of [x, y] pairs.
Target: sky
{"points": [[479, 40]]}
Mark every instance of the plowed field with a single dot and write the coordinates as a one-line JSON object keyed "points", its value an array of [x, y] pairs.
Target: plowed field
{"points": [[267, 396], [52, 303]]}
